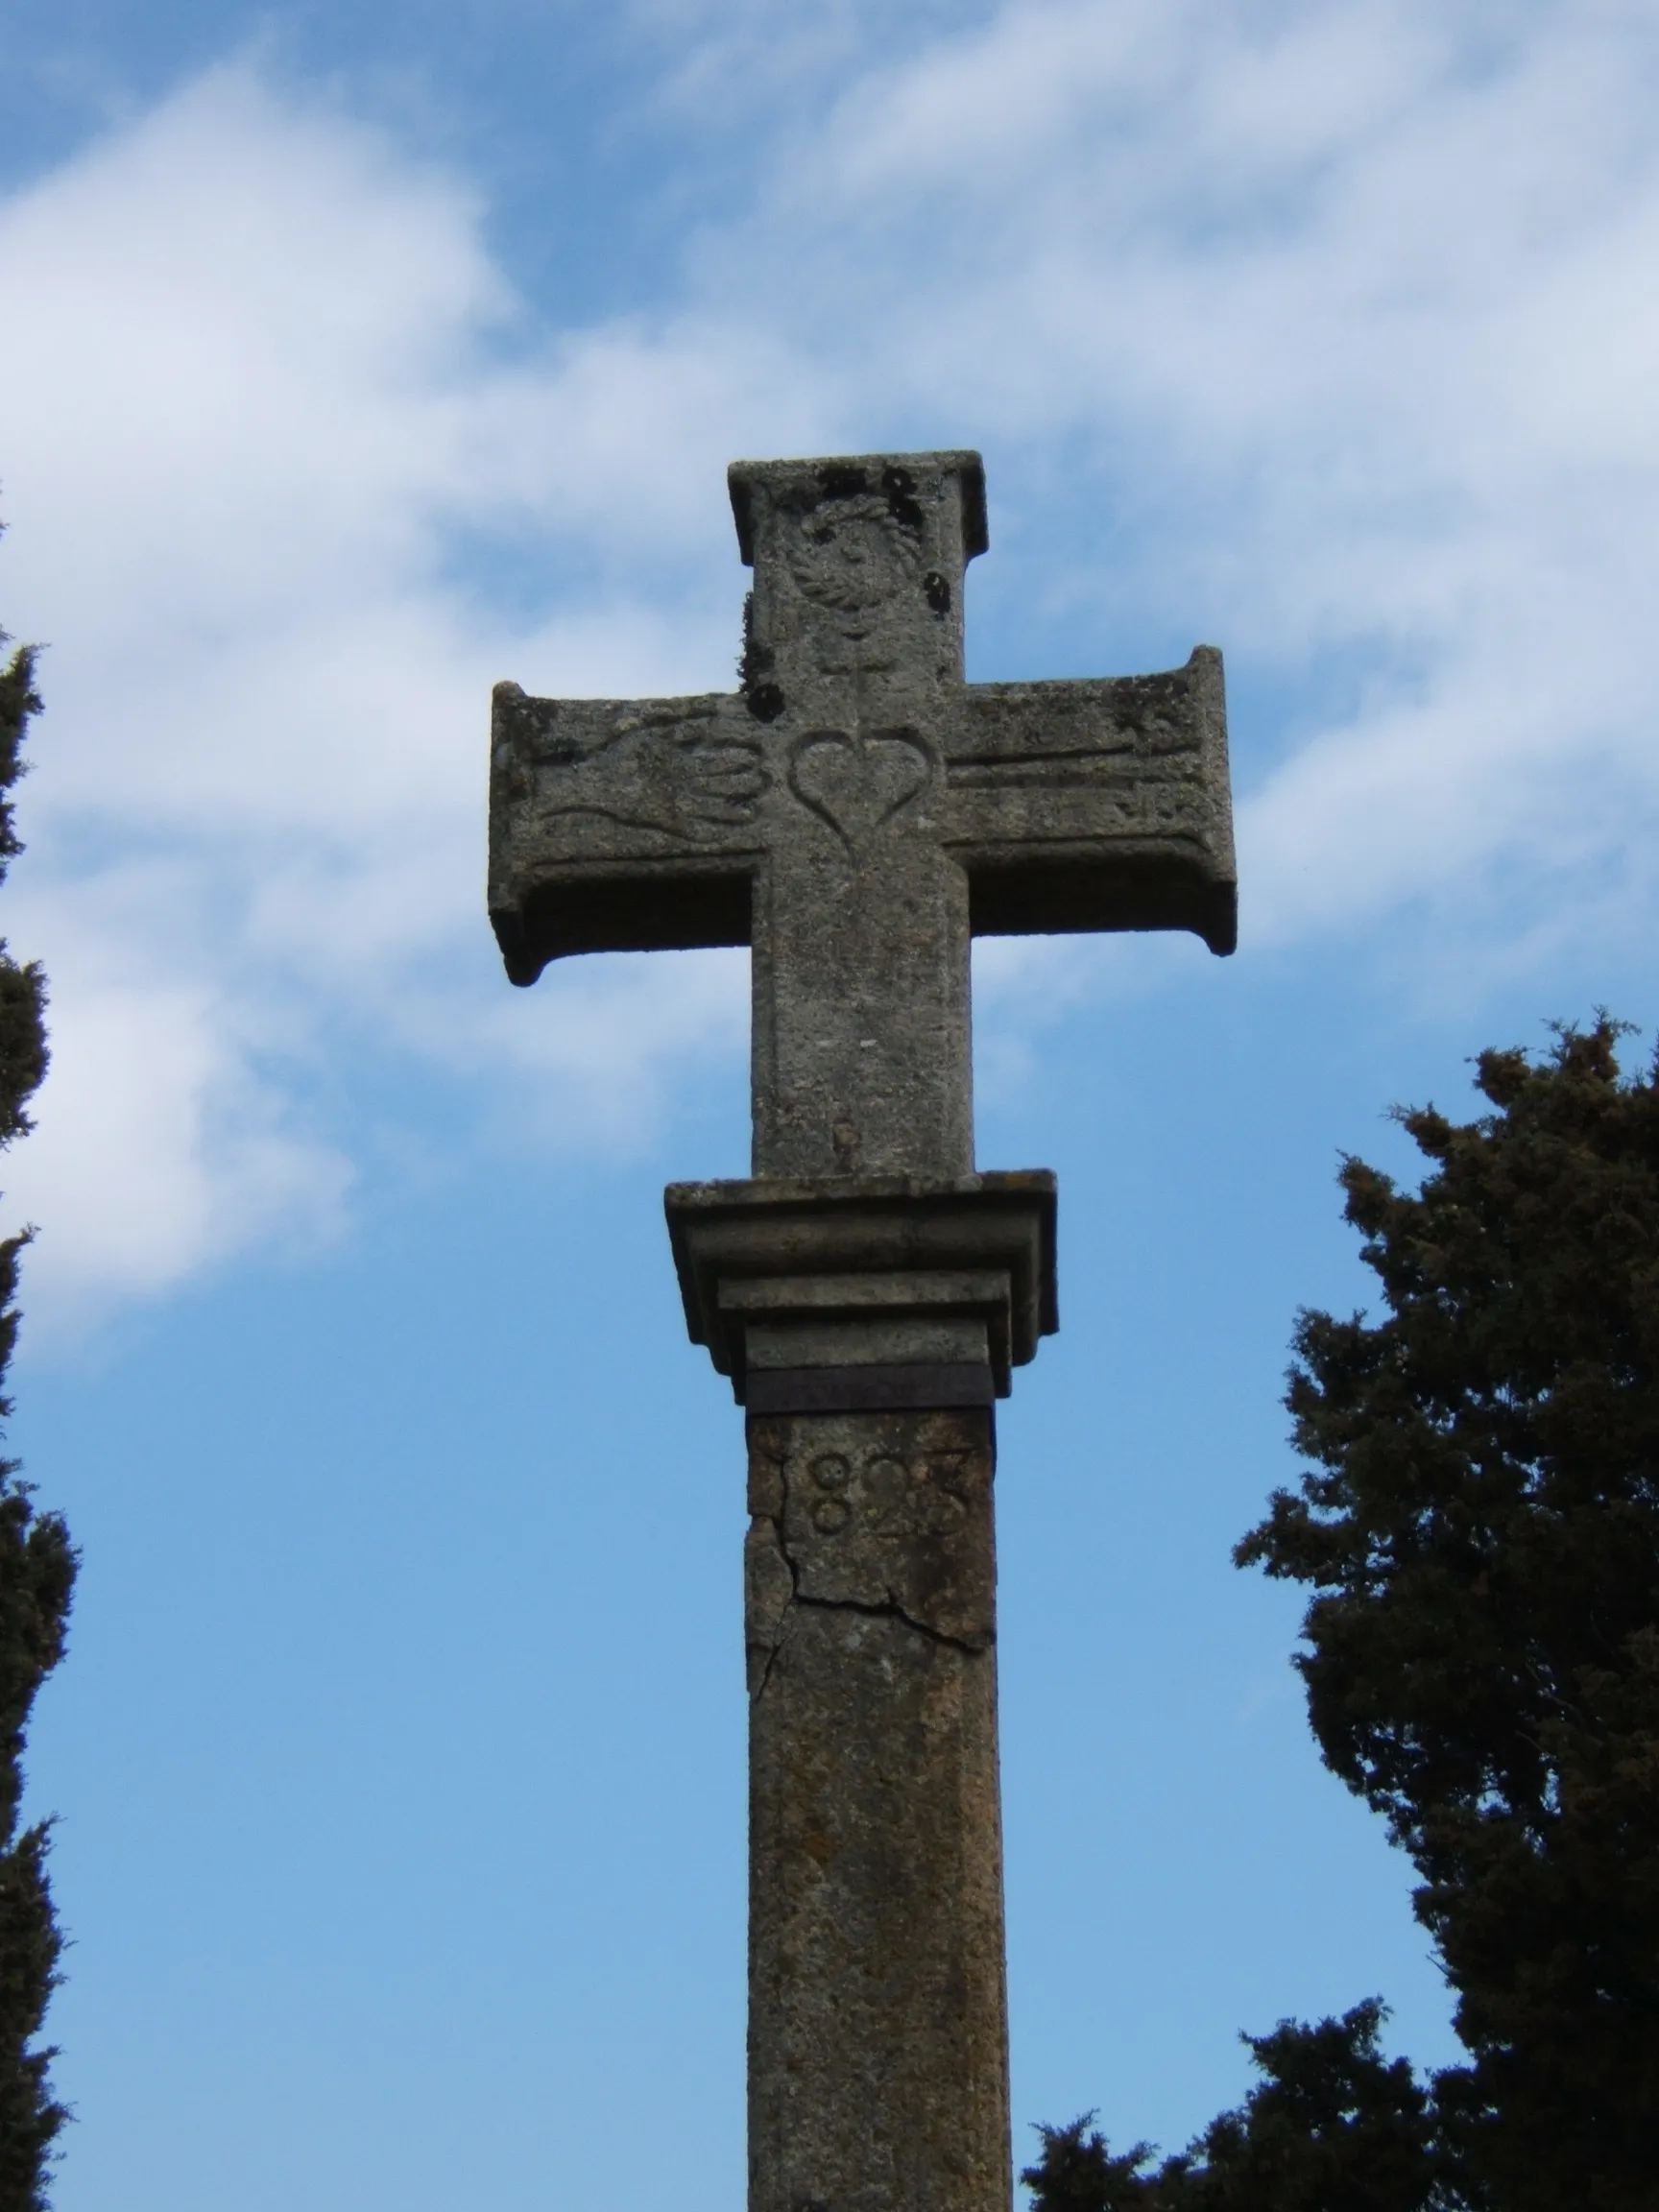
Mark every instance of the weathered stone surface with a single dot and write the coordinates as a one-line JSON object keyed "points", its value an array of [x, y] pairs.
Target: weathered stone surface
{"points": [[789, 1272], [877, 2032], [855, 810]]}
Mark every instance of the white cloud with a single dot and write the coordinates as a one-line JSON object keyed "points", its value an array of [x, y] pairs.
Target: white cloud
{"points": [[158, 1149], [1346, 310], [259, 387], [1341, 310]]}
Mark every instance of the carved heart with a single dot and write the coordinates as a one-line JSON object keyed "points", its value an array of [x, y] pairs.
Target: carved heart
{"points": [[857, 784]]}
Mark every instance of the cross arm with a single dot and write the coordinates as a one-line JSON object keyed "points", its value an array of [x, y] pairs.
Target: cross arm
{"points": [[620, 826], [1095, 804]]}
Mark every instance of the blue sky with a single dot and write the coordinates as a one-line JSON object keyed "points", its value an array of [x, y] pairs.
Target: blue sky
{"points": [[356, 358]]}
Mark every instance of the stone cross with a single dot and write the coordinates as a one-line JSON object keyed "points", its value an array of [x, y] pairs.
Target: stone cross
{"points": [[856, 812]]}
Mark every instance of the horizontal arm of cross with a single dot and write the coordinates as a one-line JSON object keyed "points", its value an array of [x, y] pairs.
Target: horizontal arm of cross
{"points": [[639, 824], [1094, 804], [621, 825]]}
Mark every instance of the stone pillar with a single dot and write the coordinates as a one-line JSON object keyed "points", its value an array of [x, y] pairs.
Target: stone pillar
{"points": [[868, 1328], [878, 2019]]}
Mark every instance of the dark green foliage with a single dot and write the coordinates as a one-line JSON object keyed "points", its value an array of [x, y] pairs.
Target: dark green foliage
{"points": [[1077, 2172], [17, 703], [1332, 2127], [1481, 1530], [37, 1576], [22, 1041], [22, 990], [30, 1944]]}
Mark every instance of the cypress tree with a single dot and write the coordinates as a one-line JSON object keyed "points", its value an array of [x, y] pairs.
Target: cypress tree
{"points": [[1332, 2126], [37, 1578], [1480, 1526]]}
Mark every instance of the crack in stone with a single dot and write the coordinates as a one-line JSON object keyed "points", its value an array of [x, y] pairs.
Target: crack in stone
{"points": [[779, 1634], [886, 1609], [891, 1610]]}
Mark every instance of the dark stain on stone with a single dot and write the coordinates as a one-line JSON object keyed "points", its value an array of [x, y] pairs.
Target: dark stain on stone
{"points": [[937, 591], [762, 698], [903, 504], [839, 480]]}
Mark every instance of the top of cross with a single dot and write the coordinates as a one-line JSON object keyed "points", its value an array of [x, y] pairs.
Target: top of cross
{"points": [[857, 810]]}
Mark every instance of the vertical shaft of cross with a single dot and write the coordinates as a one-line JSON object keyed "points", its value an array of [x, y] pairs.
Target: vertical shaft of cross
{"points": [[877, 2016], [861, 930], [877, 2032], [862, 1024]]}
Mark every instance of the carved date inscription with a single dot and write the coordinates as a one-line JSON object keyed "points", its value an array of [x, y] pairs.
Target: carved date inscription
{"points": [[927, 1495], [884, 1512]]}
